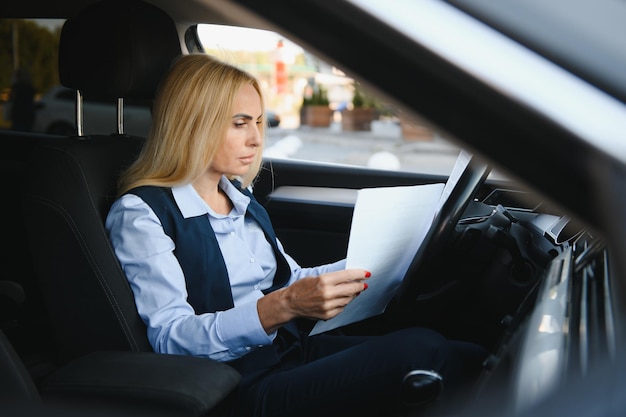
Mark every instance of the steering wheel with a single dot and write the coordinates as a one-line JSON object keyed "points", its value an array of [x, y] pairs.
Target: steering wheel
{"points": [[427, 259]]}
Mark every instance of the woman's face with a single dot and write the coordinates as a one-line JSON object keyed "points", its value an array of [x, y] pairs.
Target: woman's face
{"points": [[243, 138]]}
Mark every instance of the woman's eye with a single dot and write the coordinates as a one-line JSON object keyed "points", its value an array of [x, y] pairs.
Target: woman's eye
{"points": [[240, 124]]}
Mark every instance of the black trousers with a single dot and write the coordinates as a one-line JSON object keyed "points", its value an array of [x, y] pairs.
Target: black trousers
{"points": [[355, 375]]}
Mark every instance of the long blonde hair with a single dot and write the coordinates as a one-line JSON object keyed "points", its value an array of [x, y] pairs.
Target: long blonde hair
{"points": [[191, 116]]}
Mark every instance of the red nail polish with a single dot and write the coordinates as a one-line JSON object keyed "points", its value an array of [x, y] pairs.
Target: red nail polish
{"points": [[368, 274], [364, 286]]}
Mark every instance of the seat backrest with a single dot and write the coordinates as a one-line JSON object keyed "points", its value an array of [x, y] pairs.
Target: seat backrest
{"points": [[66, 197], [111, 50]]}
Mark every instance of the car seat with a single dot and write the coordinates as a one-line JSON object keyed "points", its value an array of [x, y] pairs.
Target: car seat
{"points": [[113, 49], [110, 383]]}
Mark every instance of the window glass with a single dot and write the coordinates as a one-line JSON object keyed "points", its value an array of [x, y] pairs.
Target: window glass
{"points": [[28, 68], [315, 111], [31, 97], [325, 115]]}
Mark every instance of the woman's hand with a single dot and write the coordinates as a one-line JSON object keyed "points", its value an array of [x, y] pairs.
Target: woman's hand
{"points": [[321, 297]]}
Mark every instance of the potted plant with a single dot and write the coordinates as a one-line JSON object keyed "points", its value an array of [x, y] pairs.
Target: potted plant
{"points": [[363, 110], [414, 128], [315, 110]]}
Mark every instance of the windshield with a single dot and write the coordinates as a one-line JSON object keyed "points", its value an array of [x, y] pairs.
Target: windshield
{"points": [[510, 67]]}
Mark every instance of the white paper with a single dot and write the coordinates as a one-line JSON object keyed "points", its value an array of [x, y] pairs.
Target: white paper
{"points": [[389, 225], [462, 161]]}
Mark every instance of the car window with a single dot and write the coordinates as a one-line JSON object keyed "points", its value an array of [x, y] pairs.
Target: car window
{"points": [[325, 116], [315, 112], [31, 96], [28, 68], [66, 94]]}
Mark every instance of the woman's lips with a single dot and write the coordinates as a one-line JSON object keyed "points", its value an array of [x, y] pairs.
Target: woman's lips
{"points": [[247, 159]]}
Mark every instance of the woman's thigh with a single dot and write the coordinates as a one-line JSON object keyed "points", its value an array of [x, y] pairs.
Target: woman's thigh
{"points": [[348, 375]]}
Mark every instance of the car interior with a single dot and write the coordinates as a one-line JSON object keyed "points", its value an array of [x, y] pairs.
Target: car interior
{"points": [[103, 353], [71, 337]]}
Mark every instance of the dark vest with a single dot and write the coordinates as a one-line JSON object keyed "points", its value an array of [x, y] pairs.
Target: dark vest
{"points": [[206, 276], [199, 254]]}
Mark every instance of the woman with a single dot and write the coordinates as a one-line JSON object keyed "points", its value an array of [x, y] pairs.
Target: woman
{"points": [[211, 279]]}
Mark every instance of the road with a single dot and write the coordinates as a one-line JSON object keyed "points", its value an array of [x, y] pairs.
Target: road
{"points": [[384, 149]]}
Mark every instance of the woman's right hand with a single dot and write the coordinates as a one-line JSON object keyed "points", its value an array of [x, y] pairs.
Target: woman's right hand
{"points": [[321, 297]]}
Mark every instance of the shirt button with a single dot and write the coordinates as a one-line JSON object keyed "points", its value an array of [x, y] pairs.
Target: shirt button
{"points": [[256, 287], [252, 260], [232, 233]]}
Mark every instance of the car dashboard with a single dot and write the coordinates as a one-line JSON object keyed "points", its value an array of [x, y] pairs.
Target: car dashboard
{"points": [[563, 326]]}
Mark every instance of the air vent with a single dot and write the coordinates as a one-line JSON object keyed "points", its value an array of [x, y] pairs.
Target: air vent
{"points": [[591, 321]]}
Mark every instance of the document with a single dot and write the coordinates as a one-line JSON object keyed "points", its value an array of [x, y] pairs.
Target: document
{"points": [[389, 225]]}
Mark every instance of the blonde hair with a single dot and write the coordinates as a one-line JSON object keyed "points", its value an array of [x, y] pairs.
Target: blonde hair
{"points": [[191, 116]]}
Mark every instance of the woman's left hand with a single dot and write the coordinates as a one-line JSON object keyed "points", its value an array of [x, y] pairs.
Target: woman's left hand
{"points": [[321, 297]]}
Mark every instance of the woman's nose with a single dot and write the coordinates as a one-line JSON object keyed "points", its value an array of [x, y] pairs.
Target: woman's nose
{"points": [[255, 139]]}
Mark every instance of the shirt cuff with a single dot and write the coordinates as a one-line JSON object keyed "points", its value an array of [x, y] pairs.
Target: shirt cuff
{"points": [[240, 329]]}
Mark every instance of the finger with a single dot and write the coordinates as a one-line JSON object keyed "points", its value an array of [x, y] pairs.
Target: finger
{"points": [[338, 308], [345, 293], [355, 287], [365, 286], [345, 276]]}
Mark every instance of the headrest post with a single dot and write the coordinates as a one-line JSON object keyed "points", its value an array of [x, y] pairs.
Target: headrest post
{"points": [[120, 116], [79, 113]]}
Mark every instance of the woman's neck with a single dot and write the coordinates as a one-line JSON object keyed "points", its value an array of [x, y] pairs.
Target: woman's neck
{"points": [[213, 195]]}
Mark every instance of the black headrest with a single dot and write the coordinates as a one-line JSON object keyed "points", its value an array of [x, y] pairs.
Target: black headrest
{"points": [[117, 48]]}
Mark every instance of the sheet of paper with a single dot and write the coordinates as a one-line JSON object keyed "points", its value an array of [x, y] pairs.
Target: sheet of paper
{"points": [[462, 161], [388, 226]]}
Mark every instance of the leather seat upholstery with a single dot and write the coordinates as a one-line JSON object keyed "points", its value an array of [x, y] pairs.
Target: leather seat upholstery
{"points": [[66, 195], [16, 383]]}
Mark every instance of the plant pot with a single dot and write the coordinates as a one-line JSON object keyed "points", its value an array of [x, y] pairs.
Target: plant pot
{"points": [[414, 130], [315, 116], [359, 118]]}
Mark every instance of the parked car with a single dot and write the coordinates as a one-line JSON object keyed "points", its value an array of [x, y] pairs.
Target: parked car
{"points": [[273, 118], [531, 266]]}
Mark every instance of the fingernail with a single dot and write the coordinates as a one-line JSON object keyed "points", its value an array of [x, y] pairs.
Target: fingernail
{"points": [[368, 274], [364, 286]]}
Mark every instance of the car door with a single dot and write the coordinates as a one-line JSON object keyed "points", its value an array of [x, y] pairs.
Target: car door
{"points": [[311, 204]]}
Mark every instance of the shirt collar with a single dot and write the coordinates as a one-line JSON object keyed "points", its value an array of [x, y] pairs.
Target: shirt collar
{"points": [[192, 205]]}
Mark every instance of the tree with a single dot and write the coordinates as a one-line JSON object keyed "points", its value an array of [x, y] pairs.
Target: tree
{"points": [[37, 51]]}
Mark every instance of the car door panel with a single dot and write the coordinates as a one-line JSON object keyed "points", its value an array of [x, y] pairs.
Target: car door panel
{"points": [[311, 205]]}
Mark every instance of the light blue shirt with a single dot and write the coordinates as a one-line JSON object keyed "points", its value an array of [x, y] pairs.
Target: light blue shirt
{"points": [[146, 255]]}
